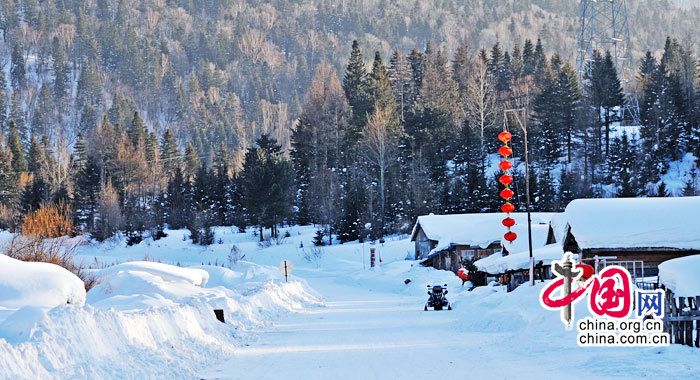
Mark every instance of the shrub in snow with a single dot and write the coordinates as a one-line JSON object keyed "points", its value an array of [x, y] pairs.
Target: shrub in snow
{"points": [[44, 238], [313, 255], [201, 231], [235, 255], [318, 238]]}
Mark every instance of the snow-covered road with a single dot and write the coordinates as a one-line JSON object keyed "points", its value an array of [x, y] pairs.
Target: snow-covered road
{"points": [[359, 334], [366, 334]]}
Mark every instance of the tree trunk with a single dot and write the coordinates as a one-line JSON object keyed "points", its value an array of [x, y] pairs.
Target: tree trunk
{"points": [[261, 232], [381, 188], [607, 131]]}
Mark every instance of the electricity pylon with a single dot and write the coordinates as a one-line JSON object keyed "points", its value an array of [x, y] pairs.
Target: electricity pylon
{"points": [[604, 27]]}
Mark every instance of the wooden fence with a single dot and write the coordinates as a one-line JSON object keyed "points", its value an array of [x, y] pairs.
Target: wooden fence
{"points": [[682, 319]]}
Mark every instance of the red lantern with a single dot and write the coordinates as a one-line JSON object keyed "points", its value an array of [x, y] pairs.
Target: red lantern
{"points": [[504, 137], [507, 194], [505, 151], [506, 179], [508, 207], [505, 165], [462, 274], [588, 271], [508, 222]]}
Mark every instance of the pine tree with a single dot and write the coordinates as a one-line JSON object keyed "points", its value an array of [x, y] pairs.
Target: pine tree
{"points": [[400, 77], [191, 161], [177, 200], [17, 69], [8, 181], [529, 60], [613, 94], [3, 104], [567, 105], [267, 184], [19, 164], [35, 194], [136, 131], [169, 153], [86, 193], [355, 86], [662, 191], [35, 158], [17, 115], [61, 70]]}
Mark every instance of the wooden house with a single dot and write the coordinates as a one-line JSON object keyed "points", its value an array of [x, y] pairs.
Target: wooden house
{"points": [[445, 241], [637, 233]]}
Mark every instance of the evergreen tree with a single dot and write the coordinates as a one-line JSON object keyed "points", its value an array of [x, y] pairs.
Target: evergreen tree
{"points": [[17, 115], [19, 164], [355, 86], [400, 77], [86, 193], [35, 158], [17, 69], [177, 200], [267, 184], [529, 60], [136, 131], [3, 104], [662, 191], [8, 181], [169, 153], [191, 161], [61, 70]]}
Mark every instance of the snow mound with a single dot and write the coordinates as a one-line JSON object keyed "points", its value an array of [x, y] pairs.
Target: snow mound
{"points": [[497, 264], [147, 320], [681, 275], [169, 273], [37, 284]]}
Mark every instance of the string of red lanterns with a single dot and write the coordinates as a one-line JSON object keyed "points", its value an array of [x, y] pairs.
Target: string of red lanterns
{"points": [[506, 179]]}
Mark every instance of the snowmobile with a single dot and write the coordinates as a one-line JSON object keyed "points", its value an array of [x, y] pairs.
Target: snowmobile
{"points": [[437, 298]]}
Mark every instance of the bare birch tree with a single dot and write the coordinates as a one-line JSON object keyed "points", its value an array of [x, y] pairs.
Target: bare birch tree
{"points": [[380, 139], [482, 105]]}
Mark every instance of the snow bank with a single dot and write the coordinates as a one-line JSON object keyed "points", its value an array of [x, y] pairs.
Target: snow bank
{"points": [[681, 275], [497, 264], [37, 284], [635, 222], [146, 320]]}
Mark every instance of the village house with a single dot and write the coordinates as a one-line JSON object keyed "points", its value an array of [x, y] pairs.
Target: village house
{"points": [[637, 233], [513, 264], [445, 241]]}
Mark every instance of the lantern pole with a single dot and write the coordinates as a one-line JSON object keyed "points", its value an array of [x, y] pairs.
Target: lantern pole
{"points": [[516, 112]]}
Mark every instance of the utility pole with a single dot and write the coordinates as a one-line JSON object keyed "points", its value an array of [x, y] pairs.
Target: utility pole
{"points": [[523, 126]]}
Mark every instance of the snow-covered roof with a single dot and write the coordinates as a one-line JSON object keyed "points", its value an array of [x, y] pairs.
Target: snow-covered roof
{"points": [[539, 230], [479, 230], [497, 264], [635, 222], [559, 226], [681, 275]]}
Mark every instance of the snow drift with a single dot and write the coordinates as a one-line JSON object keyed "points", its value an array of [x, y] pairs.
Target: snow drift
{"points": [[144, 320], [37, 284]]}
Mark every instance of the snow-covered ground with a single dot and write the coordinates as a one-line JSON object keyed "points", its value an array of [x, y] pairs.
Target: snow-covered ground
{"points": [[336, 318]]}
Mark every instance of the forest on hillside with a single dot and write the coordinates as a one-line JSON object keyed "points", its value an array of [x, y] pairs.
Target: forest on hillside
{"points": [[136, 116]]}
